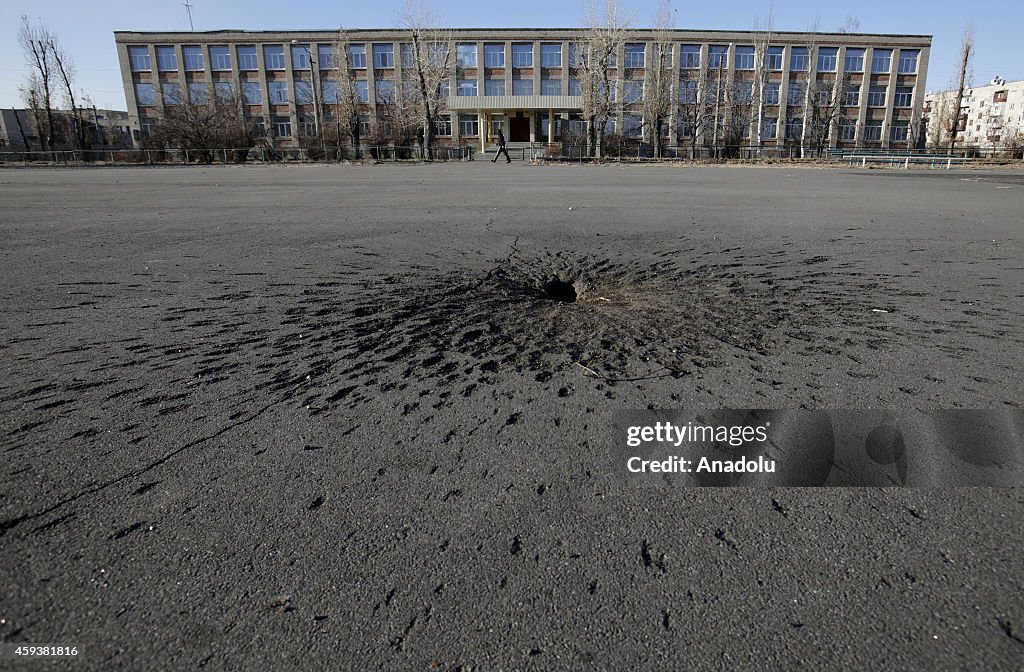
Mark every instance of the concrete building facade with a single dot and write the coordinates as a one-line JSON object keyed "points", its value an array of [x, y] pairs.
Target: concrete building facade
{"points": [[991, 117], [521, 80]]}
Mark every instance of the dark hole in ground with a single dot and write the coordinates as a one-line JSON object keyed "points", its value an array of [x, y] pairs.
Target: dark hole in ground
{"points": [[557, 289]]}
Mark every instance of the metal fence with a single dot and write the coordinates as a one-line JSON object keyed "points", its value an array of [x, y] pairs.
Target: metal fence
{"points": [[644, 151], [237, 156]]}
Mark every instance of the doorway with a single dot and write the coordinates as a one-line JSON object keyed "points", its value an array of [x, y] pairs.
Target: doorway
{"points": [[519, 129]]}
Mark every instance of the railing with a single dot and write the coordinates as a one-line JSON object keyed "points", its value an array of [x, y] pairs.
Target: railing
{"points": [[234, 155]]}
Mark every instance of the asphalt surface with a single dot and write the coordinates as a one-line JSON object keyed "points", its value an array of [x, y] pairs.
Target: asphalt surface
{"points": [[319, 417]]}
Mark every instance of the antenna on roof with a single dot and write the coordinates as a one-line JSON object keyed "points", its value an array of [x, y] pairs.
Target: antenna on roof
{"points": [[188, 8]]}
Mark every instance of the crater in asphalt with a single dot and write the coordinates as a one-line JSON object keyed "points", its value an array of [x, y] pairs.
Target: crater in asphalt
{"points": [[560, 290]]}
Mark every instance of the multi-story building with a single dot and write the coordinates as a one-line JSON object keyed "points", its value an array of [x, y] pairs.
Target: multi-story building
{"points": [[991, 117], [524, 82]]}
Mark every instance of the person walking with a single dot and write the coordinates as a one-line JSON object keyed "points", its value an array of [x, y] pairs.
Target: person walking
{"points": [[501, 149]]}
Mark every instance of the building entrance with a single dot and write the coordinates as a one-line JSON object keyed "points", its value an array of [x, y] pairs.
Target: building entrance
{"points": [[518, 129]]}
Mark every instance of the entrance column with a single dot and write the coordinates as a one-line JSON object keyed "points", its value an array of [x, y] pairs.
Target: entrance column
{"points": [[481, 125], [551, 127], [532, 116]]}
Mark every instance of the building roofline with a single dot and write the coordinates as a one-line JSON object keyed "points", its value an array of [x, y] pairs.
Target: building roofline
{"points": [[674, 31]]}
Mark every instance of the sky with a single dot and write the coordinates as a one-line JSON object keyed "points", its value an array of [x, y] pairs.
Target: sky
{"points": [[86, 29]]}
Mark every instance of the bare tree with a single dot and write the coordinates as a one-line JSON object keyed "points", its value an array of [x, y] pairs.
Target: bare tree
{"points": [[21, 130], [202, 124], [596, 51], [693, 108], [659, 77], [348, 106], [850, 25], [823, 110], [762, 45], [34, 41], [66, 70], [430, 66], [966, 54]]}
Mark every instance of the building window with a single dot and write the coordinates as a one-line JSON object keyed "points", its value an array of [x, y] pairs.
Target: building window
{"points": [[795, 97], [220, 58], [744, 92], [361, 90], [247, 59], [408, 60], [550, 86], [466, 87], [744, 58], [166, 59], [769, 128], [522, 86], [495, 86], [193, 57], [251, 93], [773, 59], [469, 124], [383, 56], [689, 58], [443, 124], [685, 129], [494, 55], [303, 92], [908, 61], [329, 89], [145, 93], [357, 56], [551, 55], [465, 56], [522, 55], [904, 96], [632, 90], [632, 125], [688, 92], [139, 58], [544, 125], [277, 92], [300, 57], [385, 92], [574, 86], [827, 59], [634, 57], [880, 59], [798, 59], [794, 128], [364, 124], [198, 93], [718, 57], [577, 57], [900, 131], [847, 130], [273, 57], [282, 127], [171, 93], [873, 131], [771, 93], [444, 88], [876, 96], [854, 61], [326, 57], [225, 92], [851, 95]]}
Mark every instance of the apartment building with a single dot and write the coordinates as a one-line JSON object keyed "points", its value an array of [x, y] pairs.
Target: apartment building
{"points": [[991, 116], [523, 82]]}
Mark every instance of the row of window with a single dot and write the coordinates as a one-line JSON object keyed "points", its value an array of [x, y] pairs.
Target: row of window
{"points": [[494, 57], [220, 58], [632, 91], [847, 129]]}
